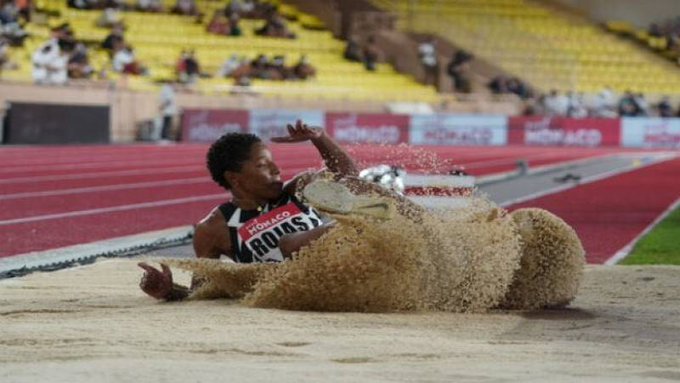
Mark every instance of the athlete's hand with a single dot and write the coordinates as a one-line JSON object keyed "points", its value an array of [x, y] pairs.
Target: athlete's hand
{"points": [[156, 283], [298, 133]]}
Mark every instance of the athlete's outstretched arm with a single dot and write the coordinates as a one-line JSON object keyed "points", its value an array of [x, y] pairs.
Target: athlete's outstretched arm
{"points": [[336, 159]]}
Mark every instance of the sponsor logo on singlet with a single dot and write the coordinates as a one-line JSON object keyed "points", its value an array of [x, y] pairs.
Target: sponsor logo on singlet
{"points": [[261, 234]]}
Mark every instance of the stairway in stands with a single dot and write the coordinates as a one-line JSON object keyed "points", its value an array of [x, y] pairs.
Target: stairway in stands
{"points": [[547, 48]]}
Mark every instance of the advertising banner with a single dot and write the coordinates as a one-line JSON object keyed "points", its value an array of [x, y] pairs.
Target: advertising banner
{"points": [[651, 132], [207, 125], [446, 129], [561, 131], [268, 123], [389, 129]]}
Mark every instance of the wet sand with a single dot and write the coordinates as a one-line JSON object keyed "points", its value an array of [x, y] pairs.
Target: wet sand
{"points": [[93, 324]]}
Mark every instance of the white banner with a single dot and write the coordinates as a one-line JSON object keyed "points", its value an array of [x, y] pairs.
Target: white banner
{"points": [[651, 132], [268, 123], [447, 129]]}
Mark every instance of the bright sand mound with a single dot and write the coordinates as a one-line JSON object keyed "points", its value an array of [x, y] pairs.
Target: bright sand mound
{"points": [[93, 324]]}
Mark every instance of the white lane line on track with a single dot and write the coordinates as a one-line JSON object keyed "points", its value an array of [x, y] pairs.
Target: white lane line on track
{"points": [[95, 165], [624, 251], [118, 173], [135, 172], [112, 209], [511, 159], [587, 180], [106, 188]]}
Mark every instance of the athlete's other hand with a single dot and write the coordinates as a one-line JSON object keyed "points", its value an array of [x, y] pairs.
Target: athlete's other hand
{"points": [[300, 132], [156, 283]]}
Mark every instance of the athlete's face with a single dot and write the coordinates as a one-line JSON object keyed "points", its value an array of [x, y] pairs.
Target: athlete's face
{"points": [[259, 177]]}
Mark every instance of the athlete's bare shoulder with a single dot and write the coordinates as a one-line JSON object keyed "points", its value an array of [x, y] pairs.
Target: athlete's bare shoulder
{"points": [[211, 236]]}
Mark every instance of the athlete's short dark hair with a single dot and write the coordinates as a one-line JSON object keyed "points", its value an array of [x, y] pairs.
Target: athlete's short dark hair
{"points": [[229, 153]]}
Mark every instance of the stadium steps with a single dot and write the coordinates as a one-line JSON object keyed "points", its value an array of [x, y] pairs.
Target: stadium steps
{"points": [[547, 48]]}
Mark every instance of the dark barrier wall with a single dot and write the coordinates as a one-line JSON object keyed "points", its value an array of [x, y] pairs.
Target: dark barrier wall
{"points": [[57, 124]]}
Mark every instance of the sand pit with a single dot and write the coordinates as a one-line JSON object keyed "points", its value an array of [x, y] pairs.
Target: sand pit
{"points": [[93, 324]]}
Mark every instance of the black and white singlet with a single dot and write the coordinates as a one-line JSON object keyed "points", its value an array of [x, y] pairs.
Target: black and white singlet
{"points": [[255, 234]]}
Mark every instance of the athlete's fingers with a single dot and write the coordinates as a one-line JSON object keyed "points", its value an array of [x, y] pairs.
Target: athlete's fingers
{"points": [[166, 270]]}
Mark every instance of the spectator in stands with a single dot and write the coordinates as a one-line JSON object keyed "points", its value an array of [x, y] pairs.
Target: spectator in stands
{"points": [[168, 109], [186, 8], [79, 63], [114, 38], [459, 69], [25, 9], [188, 69], [535, 106], [371, 54], [604, 105], [83, 4], [427, 52], [219, 25], [5, 61], [275, 26], [556, 104], [576, 107], [234, 26], [229, 67], [277, 69], [124, 61], [50, 64], [353, 51], [303, 69], [664, 107], [149, 6], [627, 105], [642, 104], [10, 28], [109, 18]]}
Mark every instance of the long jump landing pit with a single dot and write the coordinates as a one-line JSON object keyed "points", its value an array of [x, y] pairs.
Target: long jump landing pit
{"points": [[92, 323]]}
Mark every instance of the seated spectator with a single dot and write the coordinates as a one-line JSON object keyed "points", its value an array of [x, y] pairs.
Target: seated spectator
{"points": [[79, 63], [353, 51], [25, 9], [604, 105], [109, 18], [664, 107], [5, 61], [220, 25], [188, 69], [642, 104], [50, 64], [234, 26], [303, 69], [83, 4], [627, 105], [229, 67], [458, 69], [114, 38], [9, 12], [275, 26], [249, 9], [186, 8], [556, 104], [149, 6], [124, 61], [576, 108], [371, 54], [277, 69], [427, 51]]}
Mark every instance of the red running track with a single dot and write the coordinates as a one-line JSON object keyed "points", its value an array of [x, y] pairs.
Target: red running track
{"points": [[610, 213], [59, 196]]}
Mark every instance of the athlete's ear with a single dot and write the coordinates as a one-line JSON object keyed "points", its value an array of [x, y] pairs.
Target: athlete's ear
{"points": [[232, 178]]}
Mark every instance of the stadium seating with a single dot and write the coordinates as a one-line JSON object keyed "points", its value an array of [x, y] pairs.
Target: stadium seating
{"points": [[548, 49], [158, 40]]}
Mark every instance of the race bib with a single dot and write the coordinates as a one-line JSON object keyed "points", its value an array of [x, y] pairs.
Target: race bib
{"points": [[261, 234]]}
